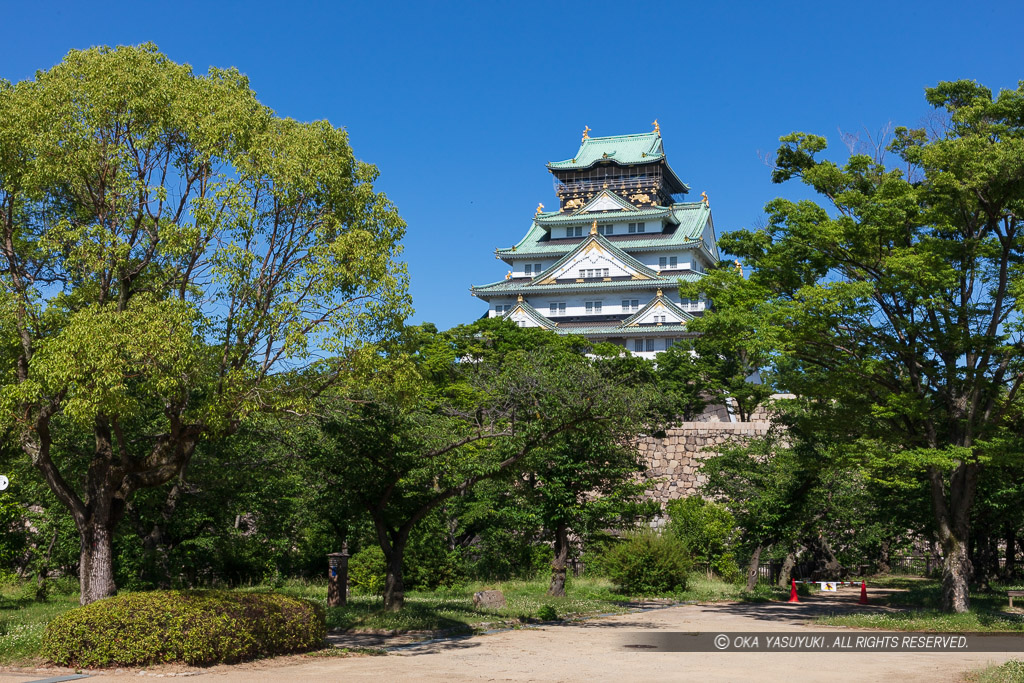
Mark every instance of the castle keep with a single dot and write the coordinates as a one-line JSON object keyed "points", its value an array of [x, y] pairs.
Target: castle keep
{"points": [[607, 264]]}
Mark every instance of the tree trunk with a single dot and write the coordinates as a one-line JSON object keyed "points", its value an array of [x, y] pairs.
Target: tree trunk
{"points": [[787, 569], [1011, 553], [96, 572], [952, 518], [755, 562], [558, 565], [394, 584]]}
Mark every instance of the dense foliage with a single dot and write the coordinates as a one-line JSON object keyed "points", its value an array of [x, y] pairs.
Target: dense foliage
{"points": [[194, 627], [647, 563], [708, 530]]}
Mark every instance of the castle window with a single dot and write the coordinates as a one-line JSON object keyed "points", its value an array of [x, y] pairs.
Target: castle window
{"points": [[636, 227], [662, 262], [650, 344], [593, 306], [630, 305], [605, 229], [605, 272], [574, 232], [672, 262], [529, 268], [556, 308], [638, 345], [537, 269]]}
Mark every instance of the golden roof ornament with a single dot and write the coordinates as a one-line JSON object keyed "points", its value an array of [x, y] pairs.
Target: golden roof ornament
{"points": [[659, 292], [540, 207], [520, 298], [593, 228], [657, 128], [704, 196], [508, 275], [586, 133]]}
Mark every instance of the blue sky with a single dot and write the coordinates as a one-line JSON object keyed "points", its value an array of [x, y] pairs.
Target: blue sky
{"points": [[460, 105]]}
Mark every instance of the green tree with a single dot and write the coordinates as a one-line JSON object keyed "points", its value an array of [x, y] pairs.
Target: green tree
{"points": [[479, 400], [900, 300], [169, 249], [708, 530]]}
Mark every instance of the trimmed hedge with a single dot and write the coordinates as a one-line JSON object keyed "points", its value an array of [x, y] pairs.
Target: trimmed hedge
{"points": [[195, 627]]}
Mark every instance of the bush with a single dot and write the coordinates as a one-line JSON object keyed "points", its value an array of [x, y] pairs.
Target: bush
{"points": [[648, 564], [367, 571], [707, 529], [195, 627]]}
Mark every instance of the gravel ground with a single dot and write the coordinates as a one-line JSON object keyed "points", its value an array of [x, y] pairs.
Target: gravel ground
{"points": [[595, 650]]}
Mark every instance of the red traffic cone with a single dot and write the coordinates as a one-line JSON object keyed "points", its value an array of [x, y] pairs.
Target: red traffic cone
{"points": [[863, 593], [792, 592]]}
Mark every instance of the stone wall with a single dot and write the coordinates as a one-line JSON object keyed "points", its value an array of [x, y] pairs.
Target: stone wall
{"points": [[673, 461]]}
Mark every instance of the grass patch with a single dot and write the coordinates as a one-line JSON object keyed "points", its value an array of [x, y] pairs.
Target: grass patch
{"points": [[23, 620], [1009, 672], [921, 598]]}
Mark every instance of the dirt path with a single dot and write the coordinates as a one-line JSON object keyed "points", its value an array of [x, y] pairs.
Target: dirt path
{"points": [[594, 651]]}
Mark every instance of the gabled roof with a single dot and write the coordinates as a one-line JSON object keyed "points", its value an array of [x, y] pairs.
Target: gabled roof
{"points": [[532, 313], [601, 243], [642, 148], [658, 301], [607, 198]]}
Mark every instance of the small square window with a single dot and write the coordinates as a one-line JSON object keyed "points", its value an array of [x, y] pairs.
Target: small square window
{"points": [[662, 262], [606, 272], [640, 227], [537, 269], [583, 273], [638, 345], [673, 262], [529, 269]]}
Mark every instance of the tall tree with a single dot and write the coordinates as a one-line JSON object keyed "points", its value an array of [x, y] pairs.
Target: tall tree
{"points": [[450, 411], [169, 247], [900, 299]]}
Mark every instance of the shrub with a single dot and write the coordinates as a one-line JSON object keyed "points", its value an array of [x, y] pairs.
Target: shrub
{"points": [[367, 570], [195, 627], [707, 529], [648, 564]]}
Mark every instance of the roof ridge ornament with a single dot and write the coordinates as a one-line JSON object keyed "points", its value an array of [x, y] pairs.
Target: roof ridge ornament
{"points": [[593, 228], [540, 207], [659, 293], [704, 198], [657, 128], [586, 132], [520, 298]]}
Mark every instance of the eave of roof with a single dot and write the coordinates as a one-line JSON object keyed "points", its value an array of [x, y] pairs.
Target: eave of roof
{"points": [[639, 148], [691, 218], [508, 287]]}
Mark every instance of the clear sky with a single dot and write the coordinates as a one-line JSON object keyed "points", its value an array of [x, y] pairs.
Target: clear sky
{"points": [[460, 105]]}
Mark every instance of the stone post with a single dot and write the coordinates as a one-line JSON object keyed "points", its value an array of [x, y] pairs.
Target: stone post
{"points": [[337, 577]]}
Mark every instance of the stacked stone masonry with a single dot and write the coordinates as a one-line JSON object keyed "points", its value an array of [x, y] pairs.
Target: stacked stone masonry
{"points": [[673, 462]]}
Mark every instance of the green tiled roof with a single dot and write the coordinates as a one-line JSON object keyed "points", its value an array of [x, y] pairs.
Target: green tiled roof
{"points": [[605, 216], [645, 331], [691, 217], [506, 287], [533, 314], [623, 149]]}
